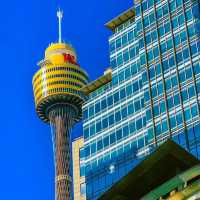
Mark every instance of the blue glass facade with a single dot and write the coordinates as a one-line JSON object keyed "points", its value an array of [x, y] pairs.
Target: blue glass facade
{"points": [[154, 94]]}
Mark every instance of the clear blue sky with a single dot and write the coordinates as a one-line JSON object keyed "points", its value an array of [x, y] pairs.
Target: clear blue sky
{"points": [[27, 27]]}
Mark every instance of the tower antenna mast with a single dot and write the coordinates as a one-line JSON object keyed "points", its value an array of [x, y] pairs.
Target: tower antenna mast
{"points": [[60, 16]]}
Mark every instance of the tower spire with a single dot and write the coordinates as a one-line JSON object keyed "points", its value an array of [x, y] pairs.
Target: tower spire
{"points": [[60, 16]]}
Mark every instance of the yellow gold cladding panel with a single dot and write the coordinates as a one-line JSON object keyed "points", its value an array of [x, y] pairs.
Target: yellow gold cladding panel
{"points": [[77, 180], [56, 46], [56, 53], [53, 90], [65, 67], [56, 81], [59, 74], [53, 80]]}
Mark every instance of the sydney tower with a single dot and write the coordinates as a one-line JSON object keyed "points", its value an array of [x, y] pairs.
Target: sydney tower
{"points": [[58, 99]]}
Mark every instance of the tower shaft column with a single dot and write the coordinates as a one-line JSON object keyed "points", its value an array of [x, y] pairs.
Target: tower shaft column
{"points": [[61, 122]]}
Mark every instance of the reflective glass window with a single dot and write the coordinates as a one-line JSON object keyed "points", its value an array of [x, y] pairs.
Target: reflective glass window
{"points": [[158, 69], [176, 99], [154, 35], [172, 122], [183, 36], [87, 151], [110, 100], [124, 112], [98, 126], [161, 31], [147, 95], [139, 124], [128, 90], [181, 19], [148, 114], [159, 13], [106, 141], [174, 81], [160, 88], [174, 23], [122, 93], [126, 56], [112, 138], [152, 18], [196, 69], [188, 15], [130, 109], [91, 111], [86, 132], [103, 104], [171, 61], [99, 145], [111, 119], [141, 143], [156, 110], [169, 44], [164, 126], [187, 114], [92, 130], [193, 49], [156, 52], [167, 27], [179, 3], [179, 118], [132, 127], [112, 46], [191, 91], [93, 148], [162, 106], [121, 76], [119, 59], [154, 91], [194, 111], [119, 134], [116, 97], [170, 102], [137, 105], [85, 113], [125, 131], [117, 116], [97, 107], [105, 123], [172, 5], [165, 9], [184, 95], [158, 129], [118, 43], [124, 39], [130, 36], [127, 73]]}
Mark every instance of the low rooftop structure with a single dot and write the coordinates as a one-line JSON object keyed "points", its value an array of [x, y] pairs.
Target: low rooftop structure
{"points": [[102, 80], [166, 162]]}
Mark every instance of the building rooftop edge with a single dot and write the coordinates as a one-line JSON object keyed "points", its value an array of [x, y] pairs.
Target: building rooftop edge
{"points": [[77, 138], [112, 24]]}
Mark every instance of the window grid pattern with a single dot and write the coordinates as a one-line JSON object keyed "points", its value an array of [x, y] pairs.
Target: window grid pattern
{"points": [[156, 68]]}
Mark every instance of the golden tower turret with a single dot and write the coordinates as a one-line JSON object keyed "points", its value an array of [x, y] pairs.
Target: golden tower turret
{"points": [[58, 99]]}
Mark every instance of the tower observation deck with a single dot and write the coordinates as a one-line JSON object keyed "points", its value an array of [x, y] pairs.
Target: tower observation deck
{"points": [[58, 100]]}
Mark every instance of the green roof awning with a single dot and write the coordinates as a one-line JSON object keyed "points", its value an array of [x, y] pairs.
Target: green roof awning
{"points": [[120, 19], [94, 85]]}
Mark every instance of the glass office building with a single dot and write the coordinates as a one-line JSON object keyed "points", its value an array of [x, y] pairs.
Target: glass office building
{"points": [[152, 93]]}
